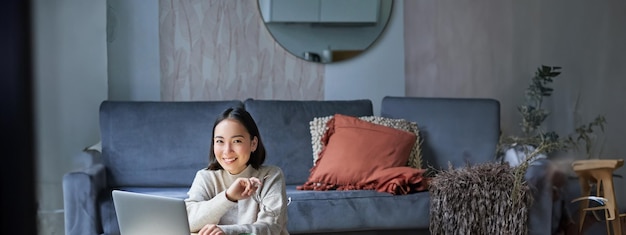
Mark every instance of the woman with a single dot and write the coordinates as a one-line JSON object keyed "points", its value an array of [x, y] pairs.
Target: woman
{"points": [[236, 193]]}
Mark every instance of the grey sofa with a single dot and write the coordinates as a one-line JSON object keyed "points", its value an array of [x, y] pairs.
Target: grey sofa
{"points": [[156, 148]]}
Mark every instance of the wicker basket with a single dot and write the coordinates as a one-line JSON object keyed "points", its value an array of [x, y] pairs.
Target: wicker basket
{"points": [[479, 200]]}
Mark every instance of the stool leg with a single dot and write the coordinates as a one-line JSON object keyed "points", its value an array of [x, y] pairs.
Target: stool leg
{"points": [[613, 212], [584, 188]]}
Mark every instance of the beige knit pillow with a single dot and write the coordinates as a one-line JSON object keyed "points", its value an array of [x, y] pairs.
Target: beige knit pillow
{"points": [[318, 128]]}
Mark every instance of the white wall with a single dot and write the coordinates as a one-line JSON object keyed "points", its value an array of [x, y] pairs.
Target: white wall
{"points": [[70, 81], [376, 73], [133, 50]]}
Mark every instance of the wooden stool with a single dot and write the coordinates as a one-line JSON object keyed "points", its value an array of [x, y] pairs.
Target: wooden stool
{"points": [[599, 172]]}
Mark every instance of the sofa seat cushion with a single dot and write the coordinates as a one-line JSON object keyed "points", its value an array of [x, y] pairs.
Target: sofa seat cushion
{"points": [[318, 211], [353, 210]]}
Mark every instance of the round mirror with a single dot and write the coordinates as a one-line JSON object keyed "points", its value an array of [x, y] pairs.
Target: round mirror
{"points": [[325, 31]]}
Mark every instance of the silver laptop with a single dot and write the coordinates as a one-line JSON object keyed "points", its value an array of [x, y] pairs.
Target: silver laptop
{"points": [[139, 214]]}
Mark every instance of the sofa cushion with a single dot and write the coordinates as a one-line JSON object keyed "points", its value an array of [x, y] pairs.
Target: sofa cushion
{"points": [[354, 150], [355, 210], [284, 127], [318, 127], [152, 144], [456, 131]]}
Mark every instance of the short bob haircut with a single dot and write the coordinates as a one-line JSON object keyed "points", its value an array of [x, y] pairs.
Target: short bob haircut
{"points": [[242, 116]]}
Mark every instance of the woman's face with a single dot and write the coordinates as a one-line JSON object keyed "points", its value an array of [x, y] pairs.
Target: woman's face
{"points": [[232, 145]]}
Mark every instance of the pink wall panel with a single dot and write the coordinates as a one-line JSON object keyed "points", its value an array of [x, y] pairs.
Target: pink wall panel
{"points": [[220, 49]]}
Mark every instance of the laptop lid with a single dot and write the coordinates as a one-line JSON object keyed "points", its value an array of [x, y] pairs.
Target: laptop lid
{"points": [[139, 214]]}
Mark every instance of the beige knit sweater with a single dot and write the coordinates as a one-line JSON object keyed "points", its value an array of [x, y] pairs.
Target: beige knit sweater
{"points": [[207, 202]]}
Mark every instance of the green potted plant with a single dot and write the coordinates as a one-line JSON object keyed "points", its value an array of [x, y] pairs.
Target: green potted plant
{"points": [[534, 138], [517, 149], [536, 143]]}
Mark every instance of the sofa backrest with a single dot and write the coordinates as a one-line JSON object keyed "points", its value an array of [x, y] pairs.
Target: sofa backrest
{"points": [[457, 130], [285, 130], [157, 143]]}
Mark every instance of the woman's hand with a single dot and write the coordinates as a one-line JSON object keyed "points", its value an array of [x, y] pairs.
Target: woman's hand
{"points": [[243, 188], [211, 229]]}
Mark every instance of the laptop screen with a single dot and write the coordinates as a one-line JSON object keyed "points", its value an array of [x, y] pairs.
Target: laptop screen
{"points": [[145, 214]]}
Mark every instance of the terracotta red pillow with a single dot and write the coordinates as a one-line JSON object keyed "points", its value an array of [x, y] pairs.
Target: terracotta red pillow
{"points": [[354, 150], [318, 128]]}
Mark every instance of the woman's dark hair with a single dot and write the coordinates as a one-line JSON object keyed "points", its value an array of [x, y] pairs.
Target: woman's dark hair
{"points": [[242, 116]]}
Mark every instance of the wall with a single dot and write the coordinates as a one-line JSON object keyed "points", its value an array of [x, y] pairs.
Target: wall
{"points": [[377, 73], [461, 49], [220, 50], [70, 81], [492, 49], [133, 50], [464, 49], [452, 48], [221, 61]]}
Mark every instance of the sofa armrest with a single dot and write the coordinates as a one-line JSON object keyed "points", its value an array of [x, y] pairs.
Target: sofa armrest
{"points": [[544, 213], [87, 158], [80, 193]]}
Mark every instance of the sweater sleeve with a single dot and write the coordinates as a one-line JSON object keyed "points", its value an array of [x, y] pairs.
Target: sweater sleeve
{"points": [[270, 215], [203, 206]]}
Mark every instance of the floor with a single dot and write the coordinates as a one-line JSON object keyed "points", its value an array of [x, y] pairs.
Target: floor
{"points": [[51, 222]]}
